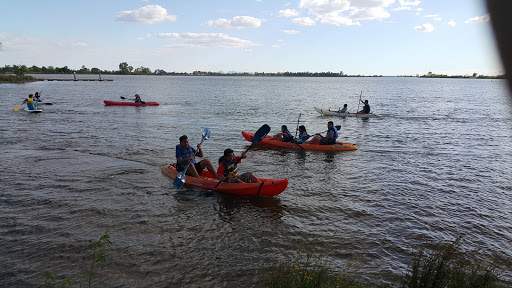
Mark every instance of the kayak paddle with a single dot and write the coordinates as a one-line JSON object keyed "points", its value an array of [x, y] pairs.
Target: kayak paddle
{"points": [[258, 136], [18, 107], [296, 130], [179, 181]]}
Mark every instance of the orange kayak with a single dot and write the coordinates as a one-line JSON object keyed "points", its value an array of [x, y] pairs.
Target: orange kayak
{"points": [[339, 146], [268, 187]]}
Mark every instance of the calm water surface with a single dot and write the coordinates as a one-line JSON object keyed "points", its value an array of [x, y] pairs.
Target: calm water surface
{"points": [[436, 166]]}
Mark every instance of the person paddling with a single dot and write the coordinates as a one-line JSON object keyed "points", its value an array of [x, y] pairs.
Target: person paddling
{"points": [[344, 110], [284, 135], [227, 170], [30, 102], [303, 135], [366, 107], [38, 97], [137, 99], [329, 139], [185, 153]]}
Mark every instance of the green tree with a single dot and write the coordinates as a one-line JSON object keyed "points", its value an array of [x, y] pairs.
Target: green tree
{"points": [[19, 70], [123, 68]]}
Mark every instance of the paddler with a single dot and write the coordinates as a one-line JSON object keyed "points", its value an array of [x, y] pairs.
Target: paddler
{"points": [[366, 107], [185, 153], [30, 102], [284, 135], [137, 99], [38, 97], [329, 139], [344, 110], [227, 170]]}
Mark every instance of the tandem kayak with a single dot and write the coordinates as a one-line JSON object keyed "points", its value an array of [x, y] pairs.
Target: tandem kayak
{"points": [[329, 112], [114, 103], [339, 146], [268, 187]]}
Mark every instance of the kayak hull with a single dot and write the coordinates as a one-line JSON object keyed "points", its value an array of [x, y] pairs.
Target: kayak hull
{"points": [[339, 146], [329, 112], [116, 103], [33, 111], [268, 187]]}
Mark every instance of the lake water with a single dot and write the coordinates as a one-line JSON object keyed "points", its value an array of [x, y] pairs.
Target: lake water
{"points": [[436, 166]]}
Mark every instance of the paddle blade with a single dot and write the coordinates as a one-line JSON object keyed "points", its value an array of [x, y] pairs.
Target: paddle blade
{"points": [[123, 97], [338, 127], [260, 134], [179, 181], [206, 134], [17, 107]]}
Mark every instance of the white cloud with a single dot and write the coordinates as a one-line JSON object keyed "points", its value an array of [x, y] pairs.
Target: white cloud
{"points": [[149, 14], [370, 14], [276, 46], [304, 21], [419, 9], [401, 8], [425, 27], [321, 7], [288, 13], [371, 3], [431, 15], [238, 22], [291, 32], [481, 19], [451, 22], [207, 40], [409, 3]]}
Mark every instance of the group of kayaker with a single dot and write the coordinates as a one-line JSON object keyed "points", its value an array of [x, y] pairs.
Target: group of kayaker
{"points": [[304, 137], [227, 170], [366, 108]]}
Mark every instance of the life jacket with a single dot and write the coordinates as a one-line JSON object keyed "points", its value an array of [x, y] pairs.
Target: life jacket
{"points": [[287, 137], [137, 99], [231, 167], [184, 153], [30, 104], [333, 140]]}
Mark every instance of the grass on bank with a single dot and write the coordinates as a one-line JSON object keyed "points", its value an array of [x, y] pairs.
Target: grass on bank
{"points": [[443, 266], [16, 79]]}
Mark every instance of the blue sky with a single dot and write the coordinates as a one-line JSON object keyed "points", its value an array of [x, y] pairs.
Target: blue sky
{"points": [[367, 37]]}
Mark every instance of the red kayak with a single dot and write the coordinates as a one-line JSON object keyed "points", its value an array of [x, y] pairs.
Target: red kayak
{"points": [[339, 146], [111, 103], [268, 187]]}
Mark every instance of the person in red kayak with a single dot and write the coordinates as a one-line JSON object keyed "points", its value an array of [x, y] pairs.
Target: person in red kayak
{"points": [[227, 170], [329, 139], [137, 99], [185, 153]]}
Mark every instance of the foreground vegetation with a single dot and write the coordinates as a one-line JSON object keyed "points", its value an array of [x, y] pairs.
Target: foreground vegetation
{"points": [[443, 267]]}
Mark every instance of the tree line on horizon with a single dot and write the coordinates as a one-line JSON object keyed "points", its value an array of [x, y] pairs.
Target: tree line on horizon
{"points": [[126, 69]]}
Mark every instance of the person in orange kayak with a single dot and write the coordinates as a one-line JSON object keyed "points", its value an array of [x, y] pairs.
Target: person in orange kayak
{"points": [[284, 135], [329, 139], [185, 153], [227, 170]]}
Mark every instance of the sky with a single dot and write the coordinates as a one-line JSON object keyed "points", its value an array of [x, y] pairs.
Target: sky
{"points": [[366, 37]]}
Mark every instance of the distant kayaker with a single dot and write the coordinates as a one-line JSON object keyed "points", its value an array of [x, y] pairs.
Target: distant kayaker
{"points": [[284, 135], [366, 107], [38, 97], [30, 102], [185, 153], [329, 139], [303, 135], [227, 170], [344, 110], [137, 99]]}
